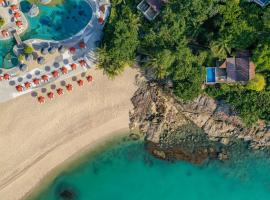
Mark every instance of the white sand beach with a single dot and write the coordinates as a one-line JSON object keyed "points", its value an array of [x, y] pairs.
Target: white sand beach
{"points": [[35, 138]]}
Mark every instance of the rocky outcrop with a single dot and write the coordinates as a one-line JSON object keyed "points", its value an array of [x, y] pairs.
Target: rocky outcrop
{"points": [[193, 131]]}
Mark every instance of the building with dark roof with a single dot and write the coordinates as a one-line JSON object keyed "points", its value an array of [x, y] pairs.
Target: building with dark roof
{"points": [[150, 8], [232, 70], [261, 2]]}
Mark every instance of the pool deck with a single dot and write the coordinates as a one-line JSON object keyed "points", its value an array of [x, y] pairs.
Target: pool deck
{"points": [[91, 34], [10, 22]]}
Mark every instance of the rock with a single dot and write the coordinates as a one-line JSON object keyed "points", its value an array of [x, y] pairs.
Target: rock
{"points": [[192, 131]]}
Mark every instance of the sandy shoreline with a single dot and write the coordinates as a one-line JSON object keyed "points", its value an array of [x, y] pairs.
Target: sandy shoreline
{"points": [[34, 139]]}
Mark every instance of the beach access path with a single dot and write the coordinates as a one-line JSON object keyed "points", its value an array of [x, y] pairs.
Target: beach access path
{"points": [[35, 138]]}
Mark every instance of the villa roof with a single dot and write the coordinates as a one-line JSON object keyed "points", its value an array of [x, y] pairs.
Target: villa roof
{"points": [[72, 50], [82, 45], [155, 4], [239, 69]]}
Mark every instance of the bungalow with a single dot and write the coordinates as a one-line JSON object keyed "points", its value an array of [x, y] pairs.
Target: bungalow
{"points": [[261, 2], [150, 8], [232, 70]]}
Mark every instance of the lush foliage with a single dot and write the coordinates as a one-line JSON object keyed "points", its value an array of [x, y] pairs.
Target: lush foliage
{"points": [[187, 36], [2, 21], [257, 84], [27, 50]]}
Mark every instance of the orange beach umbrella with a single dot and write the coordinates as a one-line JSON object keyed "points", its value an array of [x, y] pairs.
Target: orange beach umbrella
{"points": [[27, 85], [69, 87], [50, 95], [80, 82], [59, 91], [36, 81], [6, 76], [64, 70], [89, 78], [41, 99], [73, 66], [44, 77], [55, 74], [19, 88]]}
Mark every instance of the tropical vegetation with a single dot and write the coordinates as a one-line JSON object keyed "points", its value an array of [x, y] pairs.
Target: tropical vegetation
{"points": [[186, 37]]}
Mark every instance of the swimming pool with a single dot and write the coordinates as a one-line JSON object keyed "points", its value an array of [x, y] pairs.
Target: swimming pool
{"points": [[210, 75], [53, 23]]}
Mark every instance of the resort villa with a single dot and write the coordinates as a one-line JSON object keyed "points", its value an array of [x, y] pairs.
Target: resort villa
{"points": [[150, 8], [233, 70], [261, 2]]}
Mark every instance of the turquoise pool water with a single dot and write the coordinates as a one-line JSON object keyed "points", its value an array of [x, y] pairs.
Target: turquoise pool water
{"points": [[53, 22], [127, 172], [210, 75]]}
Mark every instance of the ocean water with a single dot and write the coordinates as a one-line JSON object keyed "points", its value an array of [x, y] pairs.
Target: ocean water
{"points": [[53, 23], [126, 171]]}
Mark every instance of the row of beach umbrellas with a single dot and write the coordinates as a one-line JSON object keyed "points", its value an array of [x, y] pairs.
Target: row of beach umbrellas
{"points": [[44, 78], [60, 91]]}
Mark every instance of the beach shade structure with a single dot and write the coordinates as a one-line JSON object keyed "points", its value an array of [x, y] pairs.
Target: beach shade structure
{"points": [[55, 74], [19, 23], [89, 78], [64, 70], [6, 76], [80, 83], [23, 67], [13, 7], [29, 57], [82, 63], [100, 20], [102, 8], [45, 77], [73, 66], [50, 95], [52, 50], [61, 49], [27, 85], [41, 60], [72, 50], [36, 81], [44, 51], [60, 91], [82, 45], [17, 15], [41, 99], [4, 33], [69, 87], [19, 88]]}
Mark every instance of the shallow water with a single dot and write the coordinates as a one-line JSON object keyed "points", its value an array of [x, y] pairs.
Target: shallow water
{"points": [[53, 22], [126, 172]]}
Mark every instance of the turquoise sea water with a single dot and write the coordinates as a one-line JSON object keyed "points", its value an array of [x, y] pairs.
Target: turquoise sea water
{"points": [[126, 172], [53, 22]]}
